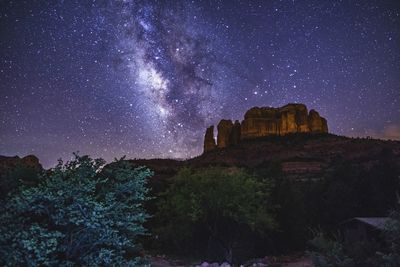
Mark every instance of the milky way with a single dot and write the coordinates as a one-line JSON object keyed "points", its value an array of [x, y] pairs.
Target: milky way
{"points": [[144, 78], [172, 69]]}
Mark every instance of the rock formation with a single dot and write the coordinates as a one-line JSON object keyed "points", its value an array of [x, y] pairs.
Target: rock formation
{"points": [[209, 141], [9, 163], [224, 133], [265, 121], [316, 123], [235, 133]]}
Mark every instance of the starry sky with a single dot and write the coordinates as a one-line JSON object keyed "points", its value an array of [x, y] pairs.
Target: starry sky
{"points": [[145, 78]]}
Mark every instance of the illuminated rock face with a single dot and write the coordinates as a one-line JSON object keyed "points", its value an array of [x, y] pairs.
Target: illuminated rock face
{"points": [[316, 123], [209, 141], [235, 133], [224, 133], [265, 121], [292, 118]]}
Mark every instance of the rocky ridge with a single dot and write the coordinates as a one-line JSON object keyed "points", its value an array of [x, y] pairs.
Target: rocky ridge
{"points": [[10, 163], [265, 121]]}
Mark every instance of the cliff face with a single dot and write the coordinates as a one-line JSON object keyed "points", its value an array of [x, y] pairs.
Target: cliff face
{"points": [[209, 141], [224, 133], [265, 121]]}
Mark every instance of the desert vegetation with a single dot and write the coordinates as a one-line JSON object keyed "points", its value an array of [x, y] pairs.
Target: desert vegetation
{"points": [[73, 216], [86, 212]]}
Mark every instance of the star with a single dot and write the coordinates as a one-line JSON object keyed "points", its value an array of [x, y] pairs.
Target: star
{"points": [[146, 79]]}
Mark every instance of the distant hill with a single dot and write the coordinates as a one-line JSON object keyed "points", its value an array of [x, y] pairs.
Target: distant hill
{"points": [[299, 156], [303, 153], [15, 171]]}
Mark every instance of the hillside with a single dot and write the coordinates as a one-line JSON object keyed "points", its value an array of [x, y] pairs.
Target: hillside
{"points": [[317, 181], [303, 154], [299, 156]]}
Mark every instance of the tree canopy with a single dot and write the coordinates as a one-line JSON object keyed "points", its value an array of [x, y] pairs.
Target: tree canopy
{"points": [[217, 201], [75, 216]]}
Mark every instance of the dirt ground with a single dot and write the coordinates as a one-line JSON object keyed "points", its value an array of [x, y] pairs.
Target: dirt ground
{"points": [[283, 261]]}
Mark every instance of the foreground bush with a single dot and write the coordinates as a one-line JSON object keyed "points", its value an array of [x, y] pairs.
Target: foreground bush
{"points": [[212, 209], [329, 252], [336, 252], [74, 217]]}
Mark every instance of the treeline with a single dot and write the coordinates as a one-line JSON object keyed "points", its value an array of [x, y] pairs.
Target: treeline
{"points": [[233, 214], [82, 213]]}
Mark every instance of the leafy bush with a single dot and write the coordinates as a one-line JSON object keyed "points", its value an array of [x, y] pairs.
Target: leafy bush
{"points": [[392, 236], [329, 252], [75, 217], [214, 206]]}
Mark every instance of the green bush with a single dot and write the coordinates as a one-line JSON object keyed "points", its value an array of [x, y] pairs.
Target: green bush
{"points": [[391, 258], [213, 205], [75, 217], [335, 252], [329, 252]]}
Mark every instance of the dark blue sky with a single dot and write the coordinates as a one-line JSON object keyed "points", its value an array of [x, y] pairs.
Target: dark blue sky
{"points": [[144, 78]]}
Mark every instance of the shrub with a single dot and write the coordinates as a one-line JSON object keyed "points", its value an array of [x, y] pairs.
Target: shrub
{"points": [[392, 236], [74, 217], [329, 252], [214, 205]]}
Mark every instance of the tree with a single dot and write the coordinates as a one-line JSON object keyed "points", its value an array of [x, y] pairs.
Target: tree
{"points": [[76, 217], [217, 203]]}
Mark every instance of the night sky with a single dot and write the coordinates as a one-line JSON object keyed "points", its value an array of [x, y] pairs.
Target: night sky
{"points": [[145, 78]]}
